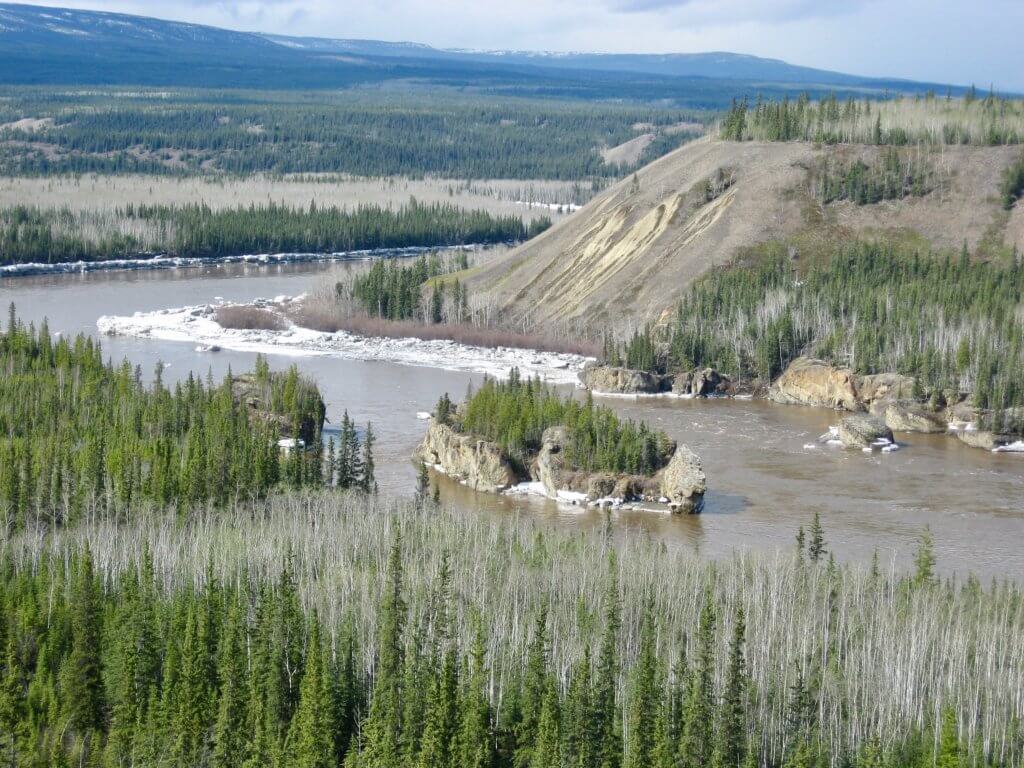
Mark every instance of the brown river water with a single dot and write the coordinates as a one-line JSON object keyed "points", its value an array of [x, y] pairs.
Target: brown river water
{"points": [[763, 482]]}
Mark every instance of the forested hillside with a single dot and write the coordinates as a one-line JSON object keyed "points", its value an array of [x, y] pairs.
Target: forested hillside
{"points": [[951, 323], [364, 133], [374, 633]]}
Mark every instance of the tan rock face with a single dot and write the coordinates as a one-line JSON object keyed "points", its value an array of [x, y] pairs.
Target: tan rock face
{"points": [[626, 381], [884, 386], [480, 464], [981, 438], [550, 464], [913, 417], [683, 481], [814, 382]]}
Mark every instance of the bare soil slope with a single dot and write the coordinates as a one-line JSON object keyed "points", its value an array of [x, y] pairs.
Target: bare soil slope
{"points": [[630, 252]]}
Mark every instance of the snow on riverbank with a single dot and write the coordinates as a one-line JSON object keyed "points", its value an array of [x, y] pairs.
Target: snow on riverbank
{"points": [[197, 325], [181, 262]]}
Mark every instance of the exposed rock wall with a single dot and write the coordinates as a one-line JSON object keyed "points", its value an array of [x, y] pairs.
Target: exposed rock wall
{"points": [[478, 463], [624, 381], [683, 482], [815, 382]]}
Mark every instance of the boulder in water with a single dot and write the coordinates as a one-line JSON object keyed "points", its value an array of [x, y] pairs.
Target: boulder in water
{"points": [[863, 431], [683, 482]]}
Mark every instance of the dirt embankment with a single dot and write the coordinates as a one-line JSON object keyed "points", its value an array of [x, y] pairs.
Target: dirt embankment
{"points": [[629, 253]]}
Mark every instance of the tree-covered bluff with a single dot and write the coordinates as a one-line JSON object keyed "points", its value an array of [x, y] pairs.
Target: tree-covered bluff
{"points": [[950, 322], [79, 436]]}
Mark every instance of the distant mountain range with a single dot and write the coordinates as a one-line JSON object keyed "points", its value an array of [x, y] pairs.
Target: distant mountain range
{"points": [[47, 46]]}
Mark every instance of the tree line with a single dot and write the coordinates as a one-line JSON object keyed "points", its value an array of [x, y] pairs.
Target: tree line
{"points": [[81, 437], [951, 322], [515, 412], [923, 119], [30, 234]]}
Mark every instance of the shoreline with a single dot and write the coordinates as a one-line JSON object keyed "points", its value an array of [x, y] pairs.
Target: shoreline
{"points": [[164, 261], [197, 325]]}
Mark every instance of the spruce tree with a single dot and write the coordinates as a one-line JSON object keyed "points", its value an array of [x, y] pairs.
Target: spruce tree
{"points": [[547, 748], [645, 698], [383, 728], [816, 546], [230, 738], [83, 692], [697, 743], [607, 728], [311, 734], [732, 728]]}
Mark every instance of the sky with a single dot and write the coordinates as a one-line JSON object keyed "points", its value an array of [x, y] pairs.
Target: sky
{"points": [[945, 41]]}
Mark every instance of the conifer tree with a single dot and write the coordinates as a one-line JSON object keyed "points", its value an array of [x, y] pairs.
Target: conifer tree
{"points": [[697, 743], [474, 740], [383, 729], [547, 749], [645, 698], [230, 739], [83, 691], [311, 734], [732, 729], [816, 546], [607, 728]]}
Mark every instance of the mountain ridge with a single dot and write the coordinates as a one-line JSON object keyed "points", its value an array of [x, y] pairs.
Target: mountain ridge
{"points": [[58, 46]]}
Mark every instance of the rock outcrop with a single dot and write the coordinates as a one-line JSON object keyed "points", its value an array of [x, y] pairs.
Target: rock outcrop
{"points": [[701, 383], [863, 431], [549, 467], [477, 463], [623, 381], [683, 482], [982, 438], [815, 382], [884, 388], [902, 416]]}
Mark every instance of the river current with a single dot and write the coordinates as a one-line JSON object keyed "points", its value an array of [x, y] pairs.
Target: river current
{"points": [[763, 480]]}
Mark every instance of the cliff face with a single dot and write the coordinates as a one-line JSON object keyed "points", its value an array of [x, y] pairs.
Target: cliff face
{"points": [[477, 463], [632, 250], [482, 465]]}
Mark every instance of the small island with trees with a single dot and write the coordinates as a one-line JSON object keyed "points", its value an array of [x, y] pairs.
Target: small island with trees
{"points": [[519, 431]]}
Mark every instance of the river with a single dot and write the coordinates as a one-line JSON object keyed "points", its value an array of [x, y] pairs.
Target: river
{"points": [[763, 481]]}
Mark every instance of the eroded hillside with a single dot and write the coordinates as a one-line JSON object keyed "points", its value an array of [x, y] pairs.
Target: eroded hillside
{"points": [[631, 251]]}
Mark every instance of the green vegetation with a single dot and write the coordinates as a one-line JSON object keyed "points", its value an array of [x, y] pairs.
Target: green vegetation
{"points": [[515, 413], [51, 236], [1012, 187], [929, 119], [79, 437], [891, 177], [953, 323], [394, 291], [472, 642], [362, 133]]}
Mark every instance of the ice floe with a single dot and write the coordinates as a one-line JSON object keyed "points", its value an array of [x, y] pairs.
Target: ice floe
{"points": [[1015, 447], [197, 325]]}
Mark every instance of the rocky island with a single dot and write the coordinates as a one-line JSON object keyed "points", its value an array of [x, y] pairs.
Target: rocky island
{"points": [[520, 431]]}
